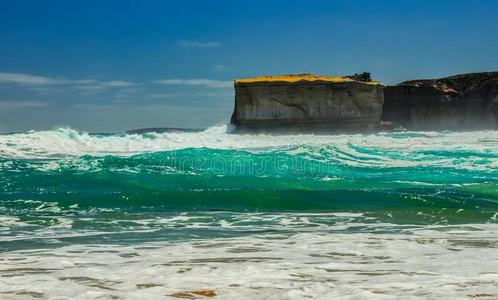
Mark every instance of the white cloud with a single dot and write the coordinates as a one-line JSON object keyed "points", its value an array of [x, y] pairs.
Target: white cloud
{"points": [[219, 68], [210, 83], [197, 44], [127, 92], [216, 94], [165, 95], [92, 87], [117, 83], [87, 91], [84, 84], [21, 104], [29, 79], [43, 90]]}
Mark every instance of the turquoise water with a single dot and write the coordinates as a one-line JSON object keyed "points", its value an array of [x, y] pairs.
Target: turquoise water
{"points": [[66, 194]]}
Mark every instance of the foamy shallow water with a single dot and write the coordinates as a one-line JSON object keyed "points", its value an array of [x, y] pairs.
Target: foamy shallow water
{"points": [[436, 262]]}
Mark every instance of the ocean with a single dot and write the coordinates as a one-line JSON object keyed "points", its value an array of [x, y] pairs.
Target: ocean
{"points": [[211, 214]]}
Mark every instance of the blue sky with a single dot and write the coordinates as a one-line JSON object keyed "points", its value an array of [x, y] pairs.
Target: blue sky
{"points": [[108, 66]]}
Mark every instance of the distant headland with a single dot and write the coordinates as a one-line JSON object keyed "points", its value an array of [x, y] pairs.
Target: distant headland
{"points": [[163, 130], [313, 103]]}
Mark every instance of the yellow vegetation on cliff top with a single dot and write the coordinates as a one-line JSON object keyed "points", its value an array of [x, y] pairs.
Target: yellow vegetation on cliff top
{"points": [[300, 77]]}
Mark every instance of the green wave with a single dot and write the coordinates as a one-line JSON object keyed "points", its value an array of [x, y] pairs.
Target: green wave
{"points": [[420, 189]]}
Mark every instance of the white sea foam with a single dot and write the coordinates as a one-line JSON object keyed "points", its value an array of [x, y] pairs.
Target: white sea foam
{"points": [[470, 150], [432, 262]]}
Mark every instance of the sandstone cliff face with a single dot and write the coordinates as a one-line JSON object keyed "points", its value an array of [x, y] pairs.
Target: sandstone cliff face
{"points": [[468, 101], [307, 103]]}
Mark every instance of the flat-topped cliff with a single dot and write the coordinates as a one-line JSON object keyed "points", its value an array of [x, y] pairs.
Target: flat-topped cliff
{"points": [[307, 103], [313, 103], [461, 102]]}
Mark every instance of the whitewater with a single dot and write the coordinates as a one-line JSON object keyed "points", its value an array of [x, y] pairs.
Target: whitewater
{"points": [[397, 215]]}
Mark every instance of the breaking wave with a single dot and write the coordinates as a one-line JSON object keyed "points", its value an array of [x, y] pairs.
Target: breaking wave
{"points": [[400, 172]]}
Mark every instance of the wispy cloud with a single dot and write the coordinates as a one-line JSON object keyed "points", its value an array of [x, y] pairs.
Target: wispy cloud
{"points": [[197, 44], [36, 82], [209, 83], [45, 85], [90, 88], [117, 83], [21, 104], [165, 95], [103, 89], [29, 79], [219, 68], [43, 90], [226, 93]]}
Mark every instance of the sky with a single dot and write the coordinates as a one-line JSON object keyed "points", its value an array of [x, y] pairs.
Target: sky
{"points": [[115, 65]]}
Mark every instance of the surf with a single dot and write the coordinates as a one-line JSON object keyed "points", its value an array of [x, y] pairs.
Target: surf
{"points": [[411, 176]]}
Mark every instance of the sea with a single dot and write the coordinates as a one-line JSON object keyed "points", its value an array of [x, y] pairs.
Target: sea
{"points": [[219, 215]]}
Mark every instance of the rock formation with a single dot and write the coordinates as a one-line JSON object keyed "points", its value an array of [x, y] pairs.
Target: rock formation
{"points": [[307, 103], [461, 102], [311, 103]]}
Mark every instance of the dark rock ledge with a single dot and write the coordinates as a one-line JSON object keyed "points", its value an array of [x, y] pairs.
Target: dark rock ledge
{"points": [[461, 102]]}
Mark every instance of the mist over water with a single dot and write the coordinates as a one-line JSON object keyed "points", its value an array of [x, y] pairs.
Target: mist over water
{"points": [[379, 215]]}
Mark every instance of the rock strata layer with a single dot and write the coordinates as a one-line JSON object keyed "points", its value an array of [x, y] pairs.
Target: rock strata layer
{"points": [[461, 102], [308, 103]]}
